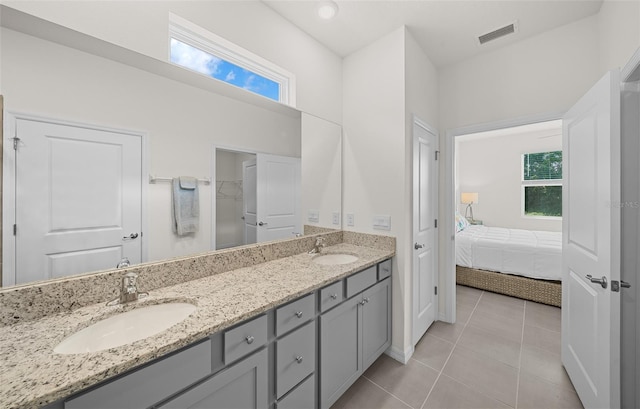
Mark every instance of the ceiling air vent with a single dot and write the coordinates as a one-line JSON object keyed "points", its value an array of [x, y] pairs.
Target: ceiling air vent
{"points": [[501, 32]]}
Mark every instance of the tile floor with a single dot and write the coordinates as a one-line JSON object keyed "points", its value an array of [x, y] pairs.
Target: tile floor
{"points": [[502, 352]]}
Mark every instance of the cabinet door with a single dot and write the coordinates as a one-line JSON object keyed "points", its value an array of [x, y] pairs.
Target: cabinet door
{"points": [[376, 321], [242, 386], [340, 355]]}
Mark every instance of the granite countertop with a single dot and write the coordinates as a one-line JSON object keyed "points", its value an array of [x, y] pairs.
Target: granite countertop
{"points": [[32, 375]]}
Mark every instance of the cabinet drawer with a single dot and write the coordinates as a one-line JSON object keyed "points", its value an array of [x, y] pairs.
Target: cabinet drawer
{"points": [[295, 358], [384, 269], [244, 339], [170, 375], [359, 281], [331, 296], [294, 314], [302, 397]]}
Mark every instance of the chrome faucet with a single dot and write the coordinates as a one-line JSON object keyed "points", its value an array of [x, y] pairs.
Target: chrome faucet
{"points": [[124, 263], [318, 246], [129, 290]]}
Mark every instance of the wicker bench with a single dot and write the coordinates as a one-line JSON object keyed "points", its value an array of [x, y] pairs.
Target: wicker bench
{"points": [[542, 291]]}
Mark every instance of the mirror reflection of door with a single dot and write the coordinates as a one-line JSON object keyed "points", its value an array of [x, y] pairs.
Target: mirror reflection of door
{"points": [[257, 198], [250, 200], [78, 200]]}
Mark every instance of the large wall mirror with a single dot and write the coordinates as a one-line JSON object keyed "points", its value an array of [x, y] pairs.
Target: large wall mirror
{"points": [[93, 131]]}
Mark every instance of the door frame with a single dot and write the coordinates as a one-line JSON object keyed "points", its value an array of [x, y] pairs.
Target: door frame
{"points": [[436, 248], [9, 187], [447, 233]]}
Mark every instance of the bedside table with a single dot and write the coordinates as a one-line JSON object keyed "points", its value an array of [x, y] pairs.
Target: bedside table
{"points": [[475, 222]]}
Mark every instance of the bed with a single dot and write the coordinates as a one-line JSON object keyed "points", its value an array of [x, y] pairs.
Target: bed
{"points": [[520, 263]]}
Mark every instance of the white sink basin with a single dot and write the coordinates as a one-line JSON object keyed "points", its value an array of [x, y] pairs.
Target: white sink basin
{"points": [[125, 328], [334, 259]]}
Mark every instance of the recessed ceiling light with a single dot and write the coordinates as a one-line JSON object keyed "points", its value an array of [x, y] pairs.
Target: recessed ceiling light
{"points": [[327, 10]]}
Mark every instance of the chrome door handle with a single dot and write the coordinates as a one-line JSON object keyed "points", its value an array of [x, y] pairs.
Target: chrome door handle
{"points": [[262, 224], [602, 281], [418, 246], [132, 236], [624, 284]]}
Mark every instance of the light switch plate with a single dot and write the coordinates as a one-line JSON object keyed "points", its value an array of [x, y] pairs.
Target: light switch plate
{"points": [[336, 217], [382, 222], [351, 219], [314, 215]]}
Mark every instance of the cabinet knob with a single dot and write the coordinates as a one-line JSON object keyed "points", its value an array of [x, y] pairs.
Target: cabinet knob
{"points": [[363, 302], [299, 359], [366, 299], [299, 314], [334, 296], [249, 339]]}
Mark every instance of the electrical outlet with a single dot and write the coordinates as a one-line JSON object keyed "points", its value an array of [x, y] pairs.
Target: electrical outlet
{"points": [[351, 219], [313, 216], [336, 218]]}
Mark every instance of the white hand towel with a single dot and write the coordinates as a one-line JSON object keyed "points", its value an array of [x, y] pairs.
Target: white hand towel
{"points": [[185, 207]]}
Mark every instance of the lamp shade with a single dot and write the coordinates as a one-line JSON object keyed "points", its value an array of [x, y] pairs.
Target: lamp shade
{"points": [[468, 198]]}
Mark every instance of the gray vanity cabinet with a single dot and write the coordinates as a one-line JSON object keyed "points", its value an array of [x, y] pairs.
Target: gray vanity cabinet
{"points": [[242, 386], [352, 336], [340, 357], [376, 321]]}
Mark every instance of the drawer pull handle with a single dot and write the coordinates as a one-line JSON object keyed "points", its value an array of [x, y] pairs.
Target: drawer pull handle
{"points": [[299, 314], [334, 296], [299, 359], [249, 339]]}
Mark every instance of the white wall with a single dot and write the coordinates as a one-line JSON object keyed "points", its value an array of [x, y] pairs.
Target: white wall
{"points": [[384, 84], [492, 167], [544, 73], [374, 153], [142, 26], [182, 122], [619, 32], [321, 170]]}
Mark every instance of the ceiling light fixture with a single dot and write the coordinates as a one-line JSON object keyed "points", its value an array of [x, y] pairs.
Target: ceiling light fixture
{"points": [[327, 9]]}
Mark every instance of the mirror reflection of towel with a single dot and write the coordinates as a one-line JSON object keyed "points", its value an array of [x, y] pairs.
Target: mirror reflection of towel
{"points": [[185, 208]]}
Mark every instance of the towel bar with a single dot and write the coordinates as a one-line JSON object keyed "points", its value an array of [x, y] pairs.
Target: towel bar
{"points": [[155, 179]]}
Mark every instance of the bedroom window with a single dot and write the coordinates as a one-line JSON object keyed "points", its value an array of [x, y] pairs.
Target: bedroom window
{"points": [[199, 50], [542, 184]]}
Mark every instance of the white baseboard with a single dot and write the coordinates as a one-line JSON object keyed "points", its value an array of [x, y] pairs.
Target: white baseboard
{"points": [[400, 355]]}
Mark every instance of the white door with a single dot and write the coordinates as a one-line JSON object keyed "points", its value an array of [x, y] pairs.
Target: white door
{"points": [[249, 200], [78, 199], [278, 209], [425, 236], [591, 244]]}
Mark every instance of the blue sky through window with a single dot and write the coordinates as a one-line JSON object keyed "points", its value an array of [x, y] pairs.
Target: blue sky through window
{"points": [[197, 60]]}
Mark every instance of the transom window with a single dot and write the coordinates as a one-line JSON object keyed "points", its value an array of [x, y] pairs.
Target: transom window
{"points": [[199, 50], [542, 184]]}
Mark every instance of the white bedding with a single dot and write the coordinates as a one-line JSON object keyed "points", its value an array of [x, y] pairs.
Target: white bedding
{"points": [[534, 254]]}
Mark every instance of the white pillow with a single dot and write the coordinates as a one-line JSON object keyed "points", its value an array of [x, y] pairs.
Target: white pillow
{"points": [[461, 222]]}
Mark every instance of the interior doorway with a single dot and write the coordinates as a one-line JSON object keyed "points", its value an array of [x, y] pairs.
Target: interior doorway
{"points": [[230, 198], [257, 198]]}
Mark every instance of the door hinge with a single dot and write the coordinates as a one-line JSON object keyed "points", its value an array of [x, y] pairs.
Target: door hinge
{"points": [[15, 229], [436, 290], [435, 223], [16, 140], [437, 154]]}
